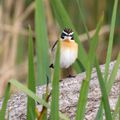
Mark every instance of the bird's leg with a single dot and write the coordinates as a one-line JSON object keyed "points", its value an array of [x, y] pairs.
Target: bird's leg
{"points": [[70, 72], [71, 76]]}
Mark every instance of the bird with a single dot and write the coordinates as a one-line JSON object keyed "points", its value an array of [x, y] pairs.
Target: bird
{"points": [[68, 49]]}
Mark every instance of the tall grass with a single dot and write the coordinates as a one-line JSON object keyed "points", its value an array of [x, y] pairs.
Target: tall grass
{"points": [[85, 84], [113, 20], [104, 93], [109, 52], [55, 87], [31, 80], [4, 105], [87, 60], [82, 18], [41, 43]]}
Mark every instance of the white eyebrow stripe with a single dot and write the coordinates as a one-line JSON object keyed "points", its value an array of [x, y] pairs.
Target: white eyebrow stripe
{"points": [[65, 32], [71, 33]]}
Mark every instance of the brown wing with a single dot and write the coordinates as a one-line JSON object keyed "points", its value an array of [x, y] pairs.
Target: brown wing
{"points": [[54, 45]]}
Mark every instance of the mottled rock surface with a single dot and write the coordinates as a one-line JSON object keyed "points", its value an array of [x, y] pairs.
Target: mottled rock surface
{"points": [[69, 93]]}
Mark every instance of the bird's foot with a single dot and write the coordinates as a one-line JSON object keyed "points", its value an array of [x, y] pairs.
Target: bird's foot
{"points": [[71, 76], [51, 66]]}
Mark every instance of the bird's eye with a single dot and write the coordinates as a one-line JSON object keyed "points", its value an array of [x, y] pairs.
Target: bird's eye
{"points": [[72, 37], [63, 35]]}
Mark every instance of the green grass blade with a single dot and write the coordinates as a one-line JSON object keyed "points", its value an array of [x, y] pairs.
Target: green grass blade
{"points": [[34, 96], [31, 81], [78, 66], [63, 117], [117, 109], [109, 51], [119, 113], [61, 14], [64, 21], [43, 113], [82, 18], [110, 48], [4, 104], [54, 115], [94, 42], [99, 115], [41, 42], [111, 80], [93, 47], [82, 100], [113, 74], [20, 50], [85, 84], [104, 93], [28, 92]]}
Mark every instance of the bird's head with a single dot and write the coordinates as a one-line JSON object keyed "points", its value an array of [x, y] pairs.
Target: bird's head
{"points": [[67, 34]]}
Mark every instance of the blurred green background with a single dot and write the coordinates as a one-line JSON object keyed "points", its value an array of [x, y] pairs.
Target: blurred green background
{"points": [[15, 16]]}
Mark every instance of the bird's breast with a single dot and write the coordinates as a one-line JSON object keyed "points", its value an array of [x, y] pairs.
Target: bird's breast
{"points": [[68, 53]]}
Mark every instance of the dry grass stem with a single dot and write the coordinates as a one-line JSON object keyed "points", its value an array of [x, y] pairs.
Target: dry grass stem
{"points": [[17, 25], [8, 28], [6, 20], [104, 30], [27, 12], [83, 37]]}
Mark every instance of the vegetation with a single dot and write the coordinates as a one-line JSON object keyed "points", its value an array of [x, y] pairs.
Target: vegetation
{"points": [[88, 61]]}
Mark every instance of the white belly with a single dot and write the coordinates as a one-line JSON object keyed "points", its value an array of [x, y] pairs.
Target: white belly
{"points": [[67, 57]]}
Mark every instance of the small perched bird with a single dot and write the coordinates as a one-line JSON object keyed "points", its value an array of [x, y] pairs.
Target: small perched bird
{"points": [[68, 50]]}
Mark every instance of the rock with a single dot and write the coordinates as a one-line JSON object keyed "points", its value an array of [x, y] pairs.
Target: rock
{"points": [[69, 93]]}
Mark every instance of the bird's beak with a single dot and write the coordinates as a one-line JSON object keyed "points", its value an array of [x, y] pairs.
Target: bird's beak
{"points": [[67, 38]]}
